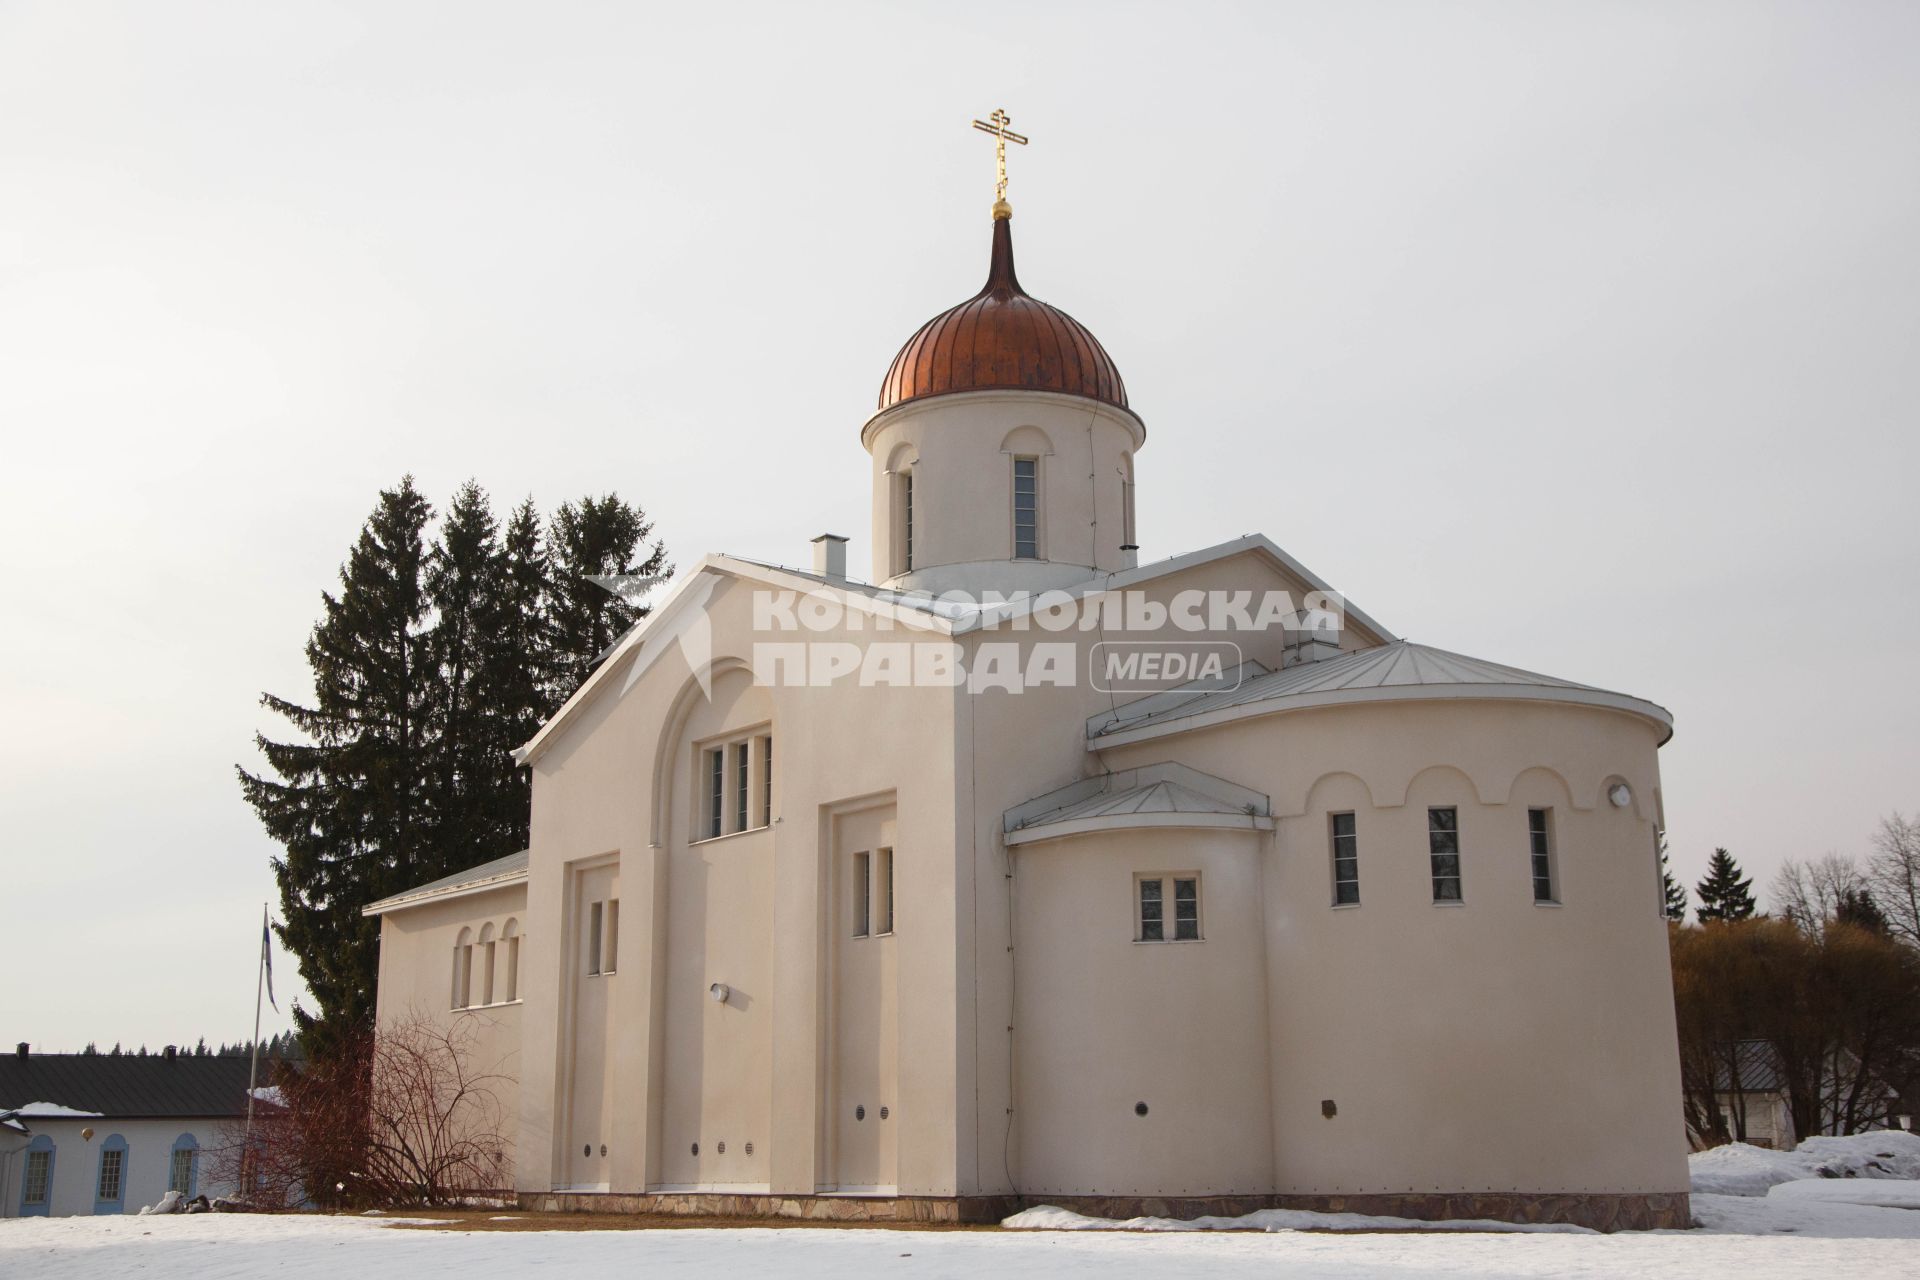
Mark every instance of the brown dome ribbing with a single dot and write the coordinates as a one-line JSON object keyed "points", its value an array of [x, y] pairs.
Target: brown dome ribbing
{"points": [[1002, 340]]}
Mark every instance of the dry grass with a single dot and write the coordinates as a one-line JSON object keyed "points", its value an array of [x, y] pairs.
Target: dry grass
{"points": [[531, 1220]]}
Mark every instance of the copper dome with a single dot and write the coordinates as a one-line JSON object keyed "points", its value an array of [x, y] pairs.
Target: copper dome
{"points": [[1002, 340]]}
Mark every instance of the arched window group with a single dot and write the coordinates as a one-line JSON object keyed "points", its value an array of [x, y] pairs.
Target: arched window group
{"points": [[486, 965]]}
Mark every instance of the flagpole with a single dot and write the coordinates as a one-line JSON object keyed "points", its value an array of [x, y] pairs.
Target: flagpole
{"points": [[253, 1068]]}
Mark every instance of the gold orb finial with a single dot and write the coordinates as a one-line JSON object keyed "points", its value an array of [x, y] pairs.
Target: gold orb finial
{"points": [[1002, 211]]}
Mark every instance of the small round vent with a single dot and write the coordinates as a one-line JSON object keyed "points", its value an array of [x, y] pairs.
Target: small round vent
{"points": [[721, 1149], [1139, 1108], [860, 1113], [603, 1148], [749, 1148], [587, 1150], [696, 1148], [883, 1113]]}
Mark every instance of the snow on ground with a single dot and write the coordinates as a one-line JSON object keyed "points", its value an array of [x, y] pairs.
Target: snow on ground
{"points": [[1836, 1207], [314, 1247], [1049, 1217], [1740, 1170]]}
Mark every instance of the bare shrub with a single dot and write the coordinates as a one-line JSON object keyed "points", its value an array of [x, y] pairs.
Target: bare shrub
{"points": [[406, 1117]]}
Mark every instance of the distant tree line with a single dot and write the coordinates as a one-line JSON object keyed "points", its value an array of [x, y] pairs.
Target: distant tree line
{"points": [[285, 1045], [446, 646], [1818, 1001]]}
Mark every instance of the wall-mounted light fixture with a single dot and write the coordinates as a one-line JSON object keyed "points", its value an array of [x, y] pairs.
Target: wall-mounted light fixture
{"points": [[1620, 794], [719, 991]]}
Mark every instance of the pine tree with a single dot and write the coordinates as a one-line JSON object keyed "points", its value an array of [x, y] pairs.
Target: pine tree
{"points": [[1676, 893], [348, 806], [595, 536], [1723, 894]]}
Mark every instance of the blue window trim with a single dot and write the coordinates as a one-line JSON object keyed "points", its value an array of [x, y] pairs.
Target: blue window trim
{"points": [[113, 1142], [186, 1142], [41, 1142]]}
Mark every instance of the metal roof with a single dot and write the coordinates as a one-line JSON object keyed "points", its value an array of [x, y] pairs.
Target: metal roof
{"points": [[1155, 795], [505, 870], [127, 1086], [1401, 671]]}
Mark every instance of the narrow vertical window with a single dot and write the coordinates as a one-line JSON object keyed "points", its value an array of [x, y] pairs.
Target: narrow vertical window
{"points": [[594, 922], [1443, 853], [466, 975], [862, 887], [906, 520], [610, 960], [486, 972], [113, 1168], [741, 755], [1026, 509], [1186, 910], [1540, 840], [1152, 922], [513, 967], [716, 791], [766, 780], [1346, 861], [883, 891], [182, 1168], [1129, 540], [39, 1175]]}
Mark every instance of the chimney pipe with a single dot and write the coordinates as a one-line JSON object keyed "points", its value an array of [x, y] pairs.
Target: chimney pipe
{"points": [[830, 555], [173, 1051], [20, 1050]]}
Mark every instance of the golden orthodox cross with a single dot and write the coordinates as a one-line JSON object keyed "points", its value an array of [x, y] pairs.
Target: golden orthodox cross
{"points": [[996, 124]]}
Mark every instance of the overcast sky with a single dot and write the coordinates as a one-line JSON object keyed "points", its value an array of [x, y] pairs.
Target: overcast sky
{"points": [[1578, 337]]}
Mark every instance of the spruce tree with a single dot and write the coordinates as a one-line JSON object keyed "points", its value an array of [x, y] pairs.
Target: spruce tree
{"points": [[1723, 894], [348, 806], [517, 678], [1857, 908], [1676, 893], [462, 583], [596, 536]]}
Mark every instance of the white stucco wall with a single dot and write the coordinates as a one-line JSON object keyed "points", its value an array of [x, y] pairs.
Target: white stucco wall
{"points": [[76, 1162]]}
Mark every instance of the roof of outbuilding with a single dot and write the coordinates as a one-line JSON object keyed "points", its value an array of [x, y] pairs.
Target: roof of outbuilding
{"points": [[500, 871], [128, 1086], [1401, 671], [1155, 795]]}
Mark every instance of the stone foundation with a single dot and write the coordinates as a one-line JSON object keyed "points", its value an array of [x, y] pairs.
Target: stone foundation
{"points": [[1603, 1211], [930, 1210]]}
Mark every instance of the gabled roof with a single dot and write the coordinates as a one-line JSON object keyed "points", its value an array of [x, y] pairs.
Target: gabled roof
{"points": [[511, 869], [1256, 544], [912, 610], [1397, 672], [127, 1086], [691, 590], [1154, 795]]}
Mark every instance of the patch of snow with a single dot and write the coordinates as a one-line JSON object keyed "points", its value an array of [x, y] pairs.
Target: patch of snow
{"points": [[1049, 1217], [1741, 1170], [1807, 1218], [270, 1094], [172, 1202], [1887, 1193], [54, 1111]]}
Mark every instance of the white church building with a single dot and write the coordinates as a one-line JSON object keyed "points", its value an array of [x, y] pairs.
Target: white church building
{"points": [[1027, 873]]}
